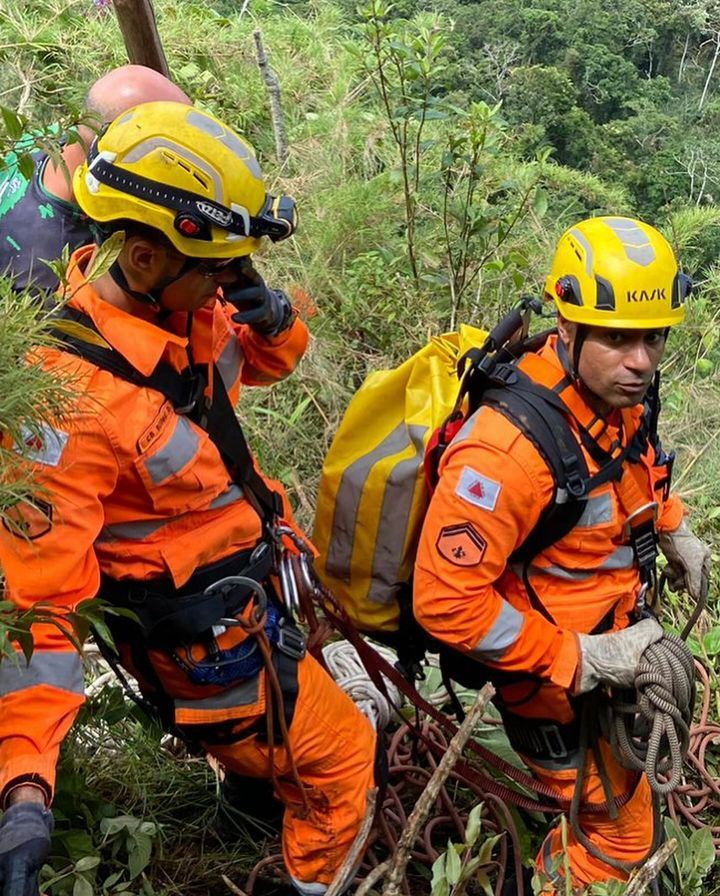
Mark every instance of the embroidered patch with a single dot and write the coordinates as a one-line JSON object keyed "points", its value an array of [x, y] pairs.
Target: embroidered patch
{"points": [[29, 519], [45, 445], [461, 545], [478, 489]]}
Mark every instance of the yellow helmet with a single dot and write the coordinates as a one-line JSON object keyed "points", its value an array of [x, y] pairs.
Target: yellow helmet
{"points": [[183, 172], [617, 272]]}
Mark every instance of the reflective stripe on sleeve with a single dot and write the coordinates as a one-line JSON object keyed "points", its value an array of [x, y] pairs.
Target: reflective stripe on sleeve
{"points": [[230, 362], [561, 572], [503, 634], [466, 429], [59, 670], [176, 454]]}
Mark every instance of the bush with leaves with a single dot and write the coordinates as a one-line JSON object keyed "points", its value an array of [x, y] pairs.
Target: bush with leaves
{"points": [[463, 864]]}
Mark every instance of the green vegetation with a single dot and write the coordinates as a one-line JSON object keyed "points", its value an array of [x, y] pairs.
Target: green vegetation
{"points": [[437, 149]]}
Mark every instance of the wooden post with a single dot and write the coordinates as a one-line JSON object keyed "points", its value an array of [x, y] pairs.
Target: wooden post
{"points": [[139, 30], [272, 82]]}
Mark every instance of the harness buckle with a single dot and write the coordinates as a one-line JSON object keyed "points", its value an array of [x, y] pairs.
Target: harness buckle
{"points": [[553, 741], [646, 514], [504, 374], [575, 484], [291, 641], [195, 389]]}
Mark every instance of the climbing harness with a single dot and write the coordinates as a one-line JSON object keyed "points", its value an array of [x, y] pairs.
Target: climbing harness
{"points": [[229, 593]]}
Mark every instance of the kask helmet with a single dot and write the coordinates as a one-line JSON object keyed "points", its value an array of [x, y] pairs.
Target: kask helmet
{"points": [[183, 172], [617, 272]]}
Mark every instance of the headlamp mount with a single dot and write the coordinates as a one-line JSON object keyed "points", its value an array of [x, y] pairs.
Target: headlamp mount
{"points": [[195, 214]]}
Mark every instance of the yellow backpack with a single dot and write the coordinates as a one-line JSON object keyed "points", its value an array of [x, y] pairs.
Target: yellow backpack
{"points": [[373, 497]]}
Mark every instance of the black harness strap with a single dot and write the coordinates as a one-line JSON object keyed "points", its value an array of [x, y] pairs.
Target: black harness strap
{"points": [[186, 392]]}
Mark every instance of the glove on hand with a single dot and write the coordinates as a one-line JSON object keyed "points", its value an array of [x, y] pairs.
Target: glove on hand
{"points": [[688, 561], [613, 658], [268, 311], [24, 846]]}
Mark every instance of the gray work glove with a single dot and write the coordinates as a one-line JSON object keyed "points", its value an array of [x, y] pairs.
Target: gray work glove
{"points": [[688, 560], [613, 658], [24, 846], [266, 310]]}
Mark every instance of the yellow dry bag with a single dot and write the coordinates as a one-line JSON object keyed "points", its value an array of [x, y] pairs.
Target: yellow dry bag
{"points": [[373, 497]]}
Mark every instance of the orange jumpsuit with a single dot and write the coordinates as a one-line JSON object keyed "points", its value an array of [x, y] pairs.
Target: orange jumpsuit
{"points": [[130, 489], [493, 487]]}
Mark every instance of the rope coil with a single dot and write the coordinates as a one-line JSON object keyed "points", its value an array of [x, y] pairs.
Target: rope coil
{"points": [[652, 734], [344, 664]]}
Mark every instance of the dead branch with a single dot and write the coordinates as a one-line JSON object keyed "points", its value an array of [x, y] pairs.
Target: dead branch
{"points": [[372, 878], [272, 82], [427, 799], [643, 877], [234, 889], [352, 859], [139, 30]]}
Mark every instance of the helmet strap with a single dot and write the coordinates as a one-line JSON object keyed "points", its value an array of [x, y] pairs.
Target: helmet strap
{"points": [[581, 334], [154, 296]]}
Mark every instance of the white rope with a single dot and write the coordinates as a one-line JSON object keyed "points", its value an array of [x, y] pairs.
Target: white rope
{"points": [[348, 671]]}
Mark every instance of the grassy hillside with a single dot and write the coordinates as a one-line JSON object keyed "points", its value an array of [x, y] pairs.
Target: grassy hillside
{"points": [[390, 252]]}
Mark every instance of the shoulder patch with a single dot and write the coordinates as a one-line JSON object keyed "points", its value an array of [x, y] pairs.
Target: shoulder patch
{"points": [[477, 489], [461, 545], [44, 445], [29, 519]]}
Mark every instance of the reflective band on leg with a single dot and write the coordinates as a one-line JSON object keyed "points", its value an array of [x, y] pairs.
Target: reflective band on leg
{"points": [[59, 670], [308, 889], [244, 694]]}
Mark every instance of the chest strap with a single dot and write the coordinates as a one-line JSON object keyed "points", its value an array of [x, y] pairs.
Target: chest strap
{"points": [[187, 392]]}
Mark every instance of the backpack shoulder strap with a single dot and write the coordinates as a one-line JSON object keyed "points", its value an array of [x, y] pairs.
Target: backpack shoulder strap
{"points": [[186, 392], [540, 416]]}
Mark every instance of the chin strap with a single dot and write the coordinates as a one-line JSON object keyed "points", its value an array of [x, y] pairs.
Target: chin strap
{"points": [[580, 336], [154, 296]]}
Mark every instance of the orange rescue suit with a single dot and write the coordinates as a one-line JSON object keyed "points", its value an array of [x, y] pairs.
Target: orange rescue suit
{"points": [[493, 488], [131, 489]]}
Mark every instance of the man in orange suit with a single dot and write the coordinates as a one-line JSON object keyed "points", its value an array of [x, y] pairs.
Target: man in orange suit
{"points": [[555, 626], [149, 497]]}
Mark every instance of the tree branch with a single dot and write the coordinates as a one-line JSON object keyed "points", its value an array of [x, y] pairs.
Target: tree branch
{"points": [[272, 82], [647, 873], [139, 30], [429, 795]]}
